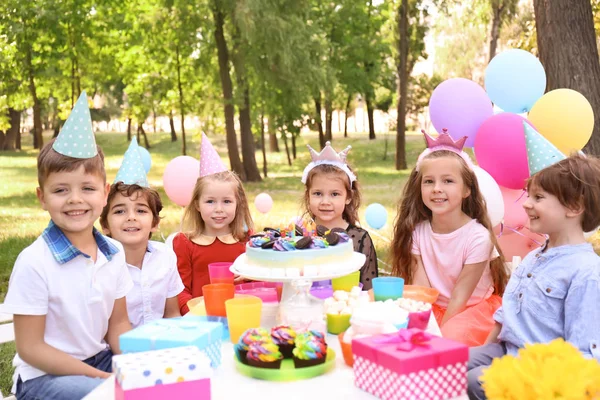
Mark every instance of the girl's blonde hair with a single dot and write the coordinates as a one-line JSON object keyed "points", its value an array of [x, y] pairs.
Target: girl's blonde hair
{"points": [[412, 211], [350, 213], [192, 223]]}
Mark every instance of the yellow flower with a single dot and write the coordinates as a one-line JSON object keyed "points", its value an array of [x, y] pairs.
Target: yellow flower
{"points": [[552, 371]]}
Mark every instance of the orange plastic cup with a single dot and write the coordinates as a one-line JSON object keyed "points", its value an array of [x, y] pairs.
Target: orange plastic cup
{"points": [[421, 293], [346, 350], [215, 296], [242, 313]]}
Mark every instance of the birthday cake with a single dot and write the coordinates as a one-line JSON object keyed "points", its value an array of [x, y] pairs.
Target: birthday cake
{"points": [[298, 251]]}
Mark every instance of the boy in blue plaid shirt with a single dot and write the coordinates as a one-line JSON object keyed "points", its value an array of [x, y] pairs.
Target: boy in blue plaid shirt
{"points": [[67, 289]]}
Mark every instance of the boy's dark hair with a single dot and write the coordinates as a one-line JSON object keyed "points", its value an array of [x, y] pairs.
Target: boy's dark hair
{"points": [[575, 181], [151, 196], [50, 161]]}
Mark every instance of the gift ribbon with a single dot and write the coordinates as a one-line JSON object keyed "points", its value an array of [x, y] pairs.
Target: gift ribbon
{"points": [[408, 339]]}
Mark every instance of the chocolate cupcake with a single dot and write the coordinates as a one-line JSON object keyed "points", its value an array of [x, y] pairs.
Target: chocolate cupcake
{"points": [[284, 337], [251, 336], [310, 350], [264, 354]]}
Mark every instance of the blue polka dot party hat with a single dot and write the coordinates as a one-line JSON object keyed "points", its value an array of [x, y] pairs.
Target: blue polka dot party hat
{"points": [[76, 138], [540, 152], [132, 168]]}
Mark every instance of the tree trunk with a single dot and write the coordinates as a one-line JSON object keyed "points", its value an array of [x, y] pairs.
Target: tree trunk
{"points": [[129, 129], [172, 126], [143, 132], [181, 101], [567, 48], [248, 149], [319, 121], [402, 72], [14, 132], [346, 111], [328, 117], [38, 140], [2, 140], [369, 104], [273, 142], [495, 30], [262, 143], [294, 146], [227, 88], [287, 149]]}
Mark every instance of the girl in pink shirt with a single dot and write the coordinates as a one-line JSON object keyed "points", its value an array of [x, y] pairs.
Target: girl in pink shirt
{"points": [[443, 239]]}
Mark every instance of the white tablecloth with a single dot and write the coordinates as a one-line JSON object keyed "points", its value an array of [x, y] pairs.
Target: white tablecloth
{"points": [[228, 384]]}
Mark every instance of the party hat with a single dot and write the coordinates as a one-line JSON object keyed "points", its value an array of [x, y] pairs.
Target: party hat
{"points": [[540, 152], [132, 168], [76, 138], [210, 162]]}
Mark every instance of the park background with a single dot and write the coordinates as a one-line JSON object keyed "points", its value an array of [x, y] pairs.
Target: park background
{"points": [[262, 78]]}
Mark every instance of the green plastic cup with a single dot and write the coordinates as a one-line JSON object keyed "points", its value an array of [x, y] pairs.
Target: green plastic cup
{"points": [[338, 323], [346, 282]]}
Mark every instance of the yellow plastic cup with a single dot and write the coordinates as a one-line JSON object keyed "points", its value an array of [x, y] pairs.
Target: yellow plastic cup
{"points": [[196, 306], [346, 282], [337, 324], [242, 313]]}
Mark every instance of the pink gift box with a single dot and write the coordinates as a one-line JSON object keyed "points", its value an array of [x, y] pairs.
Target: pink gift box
{"points": [[198, 389], [396, 366]]}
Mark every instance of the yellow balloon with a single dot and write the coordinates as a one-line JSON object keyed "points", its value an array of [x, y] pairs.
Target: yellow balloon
{"points": [[565, 118]]}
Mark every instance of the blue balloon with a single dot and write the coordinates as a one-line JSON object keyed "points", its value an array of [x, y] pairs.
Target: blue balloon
{"points": [[376, 215], [515, 80], [146, 159]]}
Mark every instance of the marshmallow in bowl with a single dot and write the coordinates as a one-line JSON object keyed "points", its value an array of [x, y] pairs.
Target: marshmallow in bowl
{"points": [[411, 305], [345, 302]]}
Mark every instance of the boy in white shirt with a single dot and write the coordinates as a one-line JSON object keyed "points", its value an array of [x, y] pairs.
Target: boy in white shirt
{"points": [[131, 216], [67, 289]]}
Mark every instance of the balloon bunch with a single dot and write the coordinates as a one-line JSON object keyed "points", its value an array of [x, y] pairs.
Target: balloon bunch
{"points": [[515, 82]]}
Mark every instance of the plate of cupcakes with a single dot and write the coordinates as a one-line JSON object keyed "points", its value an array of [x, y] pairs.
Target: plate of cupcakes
{"points": [[283, 354]]}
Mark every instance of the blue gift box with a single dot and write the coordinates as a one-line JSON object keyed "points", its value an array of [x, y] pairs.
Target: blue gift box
{"points": [[176, 332]]}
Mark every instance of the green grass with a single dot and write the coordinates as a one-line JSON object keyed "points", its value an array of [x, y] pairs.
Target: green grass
{"points": [[22, 220]]}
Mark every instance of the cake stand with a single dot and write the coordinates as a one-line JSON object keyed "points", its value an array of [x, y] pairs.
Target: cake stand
{"points": [[349, 266]]}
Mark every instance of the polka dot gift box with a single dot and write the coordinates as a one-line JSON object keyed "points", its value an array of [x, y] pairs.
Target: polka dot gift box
{"points": [[180, 373], [409, 365], [176, 332]]}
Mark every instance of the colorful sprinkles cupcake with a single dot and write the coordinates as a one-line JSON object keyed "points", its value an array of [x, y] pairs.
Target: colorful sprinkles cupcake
{"points": [[284, 337], [310, 350], [249, 337], [264, 354]]}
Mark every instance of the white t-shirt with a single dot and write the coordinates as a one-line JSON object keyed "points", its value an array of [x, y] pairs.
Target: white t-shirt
{"points": [[153, 284], [445, 254], [76, 297]]}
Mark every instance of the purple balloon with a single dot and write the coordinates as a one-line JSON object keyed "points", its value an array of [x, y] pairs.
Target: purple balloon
{"points": [[460, 106], [500, 150]]}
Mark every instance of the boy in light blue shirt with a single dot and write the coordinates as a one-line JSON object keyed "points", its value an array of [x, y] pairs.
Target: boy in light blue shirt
{"points": [[555, 291]]}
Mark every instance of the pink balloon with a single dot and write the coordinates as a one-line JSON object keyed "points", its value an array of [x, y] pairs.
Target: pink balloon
{"points": [[514, 214], [263, 203], [500, 150], [514, 244], [461, 106], [179, 179]]}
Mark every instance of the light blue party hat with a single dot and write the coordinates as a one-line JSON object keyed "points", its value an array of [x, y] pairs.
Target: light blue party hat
{"points": [[76, 138], [540, 152], [132, 168]]}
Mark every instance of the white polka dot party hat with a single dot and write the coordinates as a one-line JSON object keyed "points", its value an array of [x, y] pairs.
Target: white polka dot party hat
{"points": [[210, 162], [76, 138], [132, 168], [540, 152]]}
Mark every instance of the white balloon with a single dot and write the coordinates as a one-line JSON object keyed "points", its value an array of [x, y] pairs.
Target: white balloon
{"points": [[492, 195]]}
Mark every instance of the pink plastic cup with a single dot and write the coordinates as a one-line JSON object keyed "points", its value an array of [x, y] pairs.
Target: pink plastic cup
{"points": [[219, 272]]}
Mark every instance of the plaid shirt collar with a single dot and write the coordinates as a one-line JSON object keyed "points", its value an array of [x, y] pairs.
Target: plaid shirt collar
{"points": [[63, 250]]}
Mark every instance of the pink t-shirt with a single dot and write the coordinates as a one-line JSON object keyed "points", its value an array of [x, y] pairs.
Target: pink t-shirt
{"points": [[445, 254]]}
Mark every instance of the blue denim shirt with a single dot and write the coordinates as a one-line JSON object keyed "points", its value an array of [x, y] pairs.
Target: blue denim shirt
{"points": [[551, 294]]}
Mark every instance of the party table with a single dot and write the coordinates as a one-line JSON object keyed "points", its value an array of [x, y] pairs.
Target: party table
{"points": [[227, 383]]}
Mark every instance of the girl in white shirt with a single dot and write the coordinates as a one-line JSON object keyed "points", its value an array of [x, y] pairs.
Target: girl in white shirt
{"points": [[131, 216]]}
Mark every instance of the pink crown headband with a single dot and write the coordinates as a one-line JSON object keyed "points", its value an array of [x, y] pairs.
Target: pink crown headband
{"points": [[444, 142], [330, 157]]}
